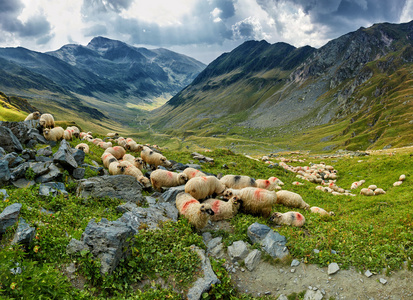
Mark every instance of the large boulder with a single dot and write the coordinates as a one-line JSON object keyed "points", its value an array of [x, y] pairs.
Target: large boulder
{"points": [[26, 132], [8, 141], [5, 174], [9, 216], [123, 187]]}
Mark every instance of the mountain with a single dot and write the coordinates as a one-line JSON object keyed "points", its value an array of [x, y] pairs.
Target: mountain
{"points": [[106, 75], [354, 80]]}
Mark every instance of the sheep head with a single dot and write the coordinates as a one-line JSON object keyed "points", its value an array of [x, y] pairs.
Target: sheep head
{"points": [[275, 217], [206, 208]]}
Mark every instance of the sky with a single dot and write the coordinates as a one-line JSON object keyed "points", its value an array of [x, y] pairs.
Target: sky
{"points": [[202, 29]]}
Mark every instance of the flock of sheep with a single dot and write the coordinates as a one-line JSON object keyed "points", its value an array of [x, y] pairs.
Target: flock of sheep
{"points": [[199, 202]]}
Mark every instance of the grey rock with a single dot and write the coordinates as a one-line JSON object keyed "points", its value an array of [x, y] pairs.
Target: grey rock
{"points": [[5, 174], [75, 247], [3, 194], [46, 212], [256, 232], [207, 236], [23, 183], [253, 259], [313, 295], [195, 166], [19, 171], [217, 251], [16, 271], [170, 194], [238, 251], [9, 216], [54, 174], [213, 243], [282, 297], [204, 283], [9, 141], [123, 187], [125, 207], [64, 157], [71, 269], [150, 200], [24, 234], [13, 159], [22, 130], [40, 168], [295, 263], [333, 268], [46, 151], [43, 159], [383, 281], [2, 152], [53, 189], [79, 173], [275, 245], [28, 154], [316, 251], [107, 241], [368, 273]]}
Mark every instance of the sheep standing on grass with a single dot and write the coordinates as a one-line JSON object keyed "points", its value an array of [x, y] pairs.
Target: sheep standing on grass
{"points": [[291, 218], [291, 199], [136, 161], [254, 200], [67, 135], [238, 181], [135, 172], [46, 121], [192, 172], [33, 116], [107, 159], [118, 152], [321, 211], [153, 158], [224, 209], [202, 187], [82, 146], [161, 178], [198, 214], [54, 134], [75, 131]]}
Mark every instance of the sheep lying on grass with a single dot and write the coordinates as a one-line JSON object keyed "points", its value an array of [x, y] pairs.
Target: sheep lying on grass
{"points": [[202, 187], [54, 134], [367, 192], [107, 159], [291, 218], [33, 116], [267, 184], [133, 146], [118, 152], [67, 135], [135, 172], [136, 161], [198, 214], [153, 158], [74, 130], [161, 178], [291, 199], [118, 167], [192, 172], [238, 181], [112, 134], [224, 209], [46, 121], [356, 184], [84, 147], [321, 211], [276, 181], [105, 145], [255, 201]]}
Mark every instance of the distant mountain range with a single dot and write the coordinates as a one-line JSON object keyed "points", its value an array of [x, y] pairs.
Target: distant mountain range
{"points": [[105, 71], [361, 80]]}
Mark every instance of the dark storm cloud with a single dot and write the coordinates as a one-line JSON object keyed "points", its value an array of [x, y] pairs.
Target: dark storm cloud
{"points": [[37, 26], [226, 6]]}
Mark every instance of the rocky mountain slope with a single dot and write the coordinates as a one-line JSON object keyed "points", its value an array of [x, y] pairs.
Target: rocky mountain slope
{"points": [[359, 80]]}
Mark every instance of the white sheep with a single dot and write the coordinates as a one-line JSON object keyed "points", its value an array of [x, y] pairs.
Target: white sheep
{"points": [[116, 151], [276, 181], [84, 147], [75, 131], [96, 141], [266, 184], [46, 121], [291, 199], [367, 192], [136, 161], [154, 159], [254, 200], [135, 172], [112, 134], [118, 167], [104, 145], [33, 116], [161, 178], [372, 187], [202, 187], [321, 211], [53, 134], [192, 172], [397, 183], [238, 181], [121, 141], [133, 146], [107, 159], [379, 191], [198, 214], [291, 218], [356, 184], [67, 135], [402, 177], [224, 209]]}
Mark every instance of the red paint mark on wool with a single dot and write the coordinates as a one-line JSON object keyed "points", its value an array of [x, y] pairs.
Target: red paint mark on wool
{"points": [[215, 206], [204, 178], [267, 183], [258, 194], [187, 204], [299, 217], [106, 155], [193, 174], [169, 174], [273, 179]]}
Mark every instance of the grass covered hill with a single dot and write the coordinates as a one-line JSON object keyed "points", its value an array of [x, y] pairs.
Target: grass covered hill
{"points": [[368, 233]]}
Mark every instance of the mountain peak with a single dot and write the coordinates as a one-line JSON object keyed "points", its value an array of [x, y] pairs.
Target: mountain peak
{"points": [[103, 43]]}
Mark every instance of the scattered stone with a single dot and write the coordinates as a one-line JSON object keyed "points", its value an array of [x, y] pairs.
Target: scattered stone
{"points": [[53, 189], [24, 234], [292, 270], [252, 260], [9, 216], [207, 236], [204, 283], [368, 273], [170, 195], [23, 183], [213, 243], [3, 194], [295, 263], [54, 174], [8, 141], [282, 297], [75, 247], [64, 157], [79, 173], [16, 271], [5, 174], [46, 151], [313, 295], [256, 232], [383, 281], [316, 251], [275, 245], [217, 251], [238, 251], [333, 268]]}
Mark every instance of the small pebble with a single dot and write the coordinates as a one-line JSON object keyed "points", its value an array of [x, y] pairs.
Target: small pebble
{"points": [[292, 270], [383, 281], [242, 270], [368, 273], [267, 293]]}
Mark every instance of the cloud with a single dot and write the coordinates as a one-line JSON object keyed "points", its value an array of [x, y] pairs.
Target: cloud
{"points": [[248, 29]]}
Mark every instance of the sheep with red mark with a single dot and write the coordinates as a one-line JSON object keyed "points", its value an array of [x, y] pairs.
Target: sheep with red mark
{"points": [[198, 214], [121, 142], [254, 200], [153, 158], [46, 121], [291, 199], [202, 187], [291, 218], [133, 146], [266, 184], [321, 211], [136, 161], [33, 116], [54, 134], [224, 209], [116, 151], [75, 131], [104, 145], [82, 146], [107, 159], [162, 178], [367, 192], [135, 172], [67, 135], [118, 167], [276, 181], [192, 172], [238, 181]]}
